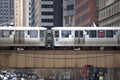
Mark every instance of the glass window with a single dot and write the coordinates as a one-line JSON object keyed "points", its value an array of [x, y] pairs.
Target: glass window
{"points": [[76, 34], [5, 33], [33, 33], [81, 33], [0, 33], [47, 13], [47, 20], [65, 33], [101, 33], [42, 33], [56, 34], [109, 33], [92, 33], [70, 7], [47, 6]]}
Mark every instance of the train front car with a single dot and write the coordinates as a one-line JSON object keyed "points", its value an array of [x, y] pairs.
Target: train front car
{"points": [[86, 37], [22, 37]]}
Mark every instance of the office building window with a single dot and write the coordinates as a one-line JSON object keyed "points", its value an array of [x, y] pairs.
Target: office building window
{"points": [[47, 6], [47, 20], [47, 13]]}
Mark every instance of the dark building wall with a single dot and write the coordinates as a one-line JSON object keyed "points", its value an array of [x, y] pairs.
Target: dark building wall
{"points": [[58, 13], [85, 12]]}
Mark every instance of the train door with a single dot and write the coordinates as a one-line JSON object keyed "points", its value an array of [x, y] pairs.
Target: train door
{"points": [[56, 37], [19, 37], [79, 37]]}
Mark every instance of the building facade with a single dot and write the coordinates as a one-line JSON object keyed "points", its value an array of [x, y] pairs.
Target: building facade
{"points": [[68, 12], [42, 13], [85, 12], [80, 12], [21, 11], [109, 13], [6, 12]]}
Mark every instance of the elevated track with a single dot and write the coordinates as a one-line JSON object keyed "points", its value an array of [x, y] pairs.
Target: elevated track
{"points": [[59, 58]]}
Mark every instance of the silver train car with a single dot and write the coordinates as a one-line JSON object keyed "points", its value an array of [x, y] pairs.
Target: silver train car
{"points": [[86, 36], [22, 37]]}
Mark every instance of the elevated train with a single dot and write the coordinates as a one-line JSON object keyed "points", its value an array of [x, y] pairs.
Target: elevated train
{"points": [[22, 37], [61, 37]]}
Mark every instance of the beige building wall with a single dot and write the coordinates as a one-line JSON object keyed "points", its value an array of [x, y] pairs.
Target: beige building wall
{"points": [[21, 12], [109, 13]]}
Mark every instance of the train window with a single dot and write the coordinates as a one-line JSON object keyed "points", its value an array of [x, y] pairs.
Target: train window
{"points": [[109, 33], [33, 33], [5, 34], [0, 33], [56, 34], [81, 34], [101, 33], [65, 33], [115, 32], [42, 33], [92, 33], [76, 34]]}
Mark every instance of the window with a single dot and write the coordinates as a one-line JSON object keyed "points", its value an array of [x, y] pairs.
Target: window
{"points": [[42, 33], [47, 20], [92, 33], [78, 34], [101, 33], [70, 7], [56, 34], [65, 33], [109, 33], [0, 33], [5, 34], [47, 13], [81, 34], [47, 6], [33, 33]]}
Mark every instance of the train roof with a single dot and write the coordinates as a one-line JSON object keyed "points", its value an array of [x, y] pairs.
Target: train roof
{"points": [[22, 28], [86, 28]]}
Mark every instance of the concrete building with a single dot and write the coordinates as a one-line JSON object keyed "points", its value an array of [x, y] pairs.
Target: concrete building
{"points": [[85, 12], [68, 12], [42, 13], [109, 13], [6, 12], [21, 11], [79, 12]]}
